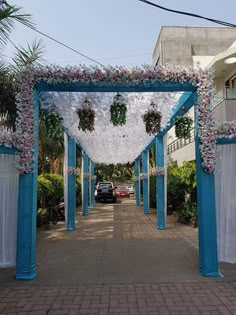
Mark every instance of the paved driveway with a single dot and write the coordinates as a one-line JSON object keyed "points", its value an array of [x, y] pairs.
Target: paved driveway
{"points": [[118, 262]]}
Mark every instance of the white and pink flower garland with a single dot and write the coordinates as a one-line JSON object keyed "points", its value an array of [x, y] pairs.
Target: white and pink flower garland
{"points": [[158, 171], [86, 175], [143, 176], [73, 171], [23, 138]]}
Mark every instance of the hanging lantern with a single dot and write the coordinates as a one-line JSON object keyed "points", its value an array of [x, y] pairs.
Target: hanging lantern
{"points": [[183, 126], [118, 110], [152, 120], [86, 116]]}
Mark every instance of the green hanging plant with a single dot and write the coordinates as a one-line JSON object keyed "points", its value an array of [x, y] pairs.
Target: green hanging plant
{"points": [[183, 126], [118, 111], [152, 120], [86, 116]]}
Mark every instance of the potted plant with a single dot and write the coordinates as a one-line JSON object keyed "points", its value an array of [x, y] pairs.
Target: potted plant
{"points": [[152, 120], [183, 127], [118, 110], [86, 116]]}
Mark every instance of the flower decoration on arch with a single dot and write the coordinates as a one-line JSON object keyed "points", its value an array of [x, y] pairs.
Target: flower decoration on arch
{"points": [[183, 125], [30, 77], [118, 110], [86, 116], [152, 120]]}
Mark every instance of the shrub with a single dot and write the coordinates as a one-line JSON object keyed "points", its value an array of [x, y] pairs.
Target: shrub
{"points": [[187, 213], [50, 189], [57, 182]]}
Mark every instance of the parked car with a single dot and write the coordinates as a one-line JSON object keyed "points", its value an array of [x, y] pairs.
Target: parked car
{"points": [[130, 189], [105, 191], [122, 191]]}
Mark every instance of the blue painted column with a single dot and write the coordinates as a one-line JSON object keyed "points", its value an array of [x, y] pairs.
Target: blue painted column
{"points": [[92, 184], [160, 184], [27, 213], [71, 182], [145, 170], [137, 182], [85, 184], [208, 257]]}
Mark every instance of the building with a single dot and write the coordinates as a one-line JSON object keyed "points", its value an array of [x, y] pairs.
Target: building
{"points": [[200, 47]]}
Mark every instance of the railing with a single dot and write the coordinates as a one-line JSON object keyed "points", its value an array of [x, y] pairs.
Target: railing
{"points": [[180, 143], [228, 94]]}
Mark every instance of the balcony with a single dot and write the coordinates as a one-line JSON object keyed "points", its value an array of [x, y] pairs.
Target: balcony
{"points": [[180, 143], [224, 104]]}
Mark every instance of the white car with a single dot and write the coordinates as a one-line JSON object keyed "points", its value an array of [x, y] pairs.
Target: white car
{"points": [[130, 189]]}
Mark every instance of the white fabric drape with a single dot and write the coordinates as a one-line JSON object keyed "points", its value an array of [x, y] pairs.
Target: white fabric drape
{"points": [[225, 190], [9, 185], [65, 171]]}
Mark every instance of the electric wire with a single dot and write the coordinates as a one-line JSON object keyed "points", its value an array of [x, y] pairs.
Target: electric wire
{"points": [[55, 40], [189, 14]]}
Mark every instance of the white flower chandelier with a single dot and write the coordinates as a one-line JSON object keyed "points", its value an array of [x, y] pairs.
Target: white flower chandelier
{"points": [[108, 144]]}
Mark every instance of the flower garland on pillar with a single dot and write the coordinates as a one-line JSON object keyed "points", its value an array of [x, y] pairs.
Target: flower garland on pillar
{"points": [[73, 171], [118, 110], [143, 176], [158, 171], [86, 175]]}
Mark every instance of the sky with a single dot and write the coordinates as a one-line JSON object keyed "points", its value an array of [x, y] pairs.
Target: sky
{"points": [[113, 32]]}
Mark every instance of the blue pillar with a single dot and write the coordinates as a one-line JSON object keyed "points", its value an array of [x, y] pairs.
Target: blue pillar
{"points": [[71, 193], [160, 184], [207, 235], [145, 170], [92, 184], [137, 182], [27, 213], [85, 184]]}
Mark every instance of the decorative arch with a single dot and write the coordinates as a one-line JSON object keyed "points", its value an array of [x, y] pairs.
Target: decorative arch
{"points": [[197, 84]]}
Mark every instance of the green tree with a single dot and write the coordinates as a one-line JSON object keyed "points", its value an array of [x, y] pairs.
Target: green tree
{"points": [[51, 142]]}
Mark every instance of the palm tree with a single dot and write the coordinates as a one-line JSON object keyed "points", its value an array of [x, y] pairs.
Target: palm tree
{"points": [[9, 14], [8, 84]]}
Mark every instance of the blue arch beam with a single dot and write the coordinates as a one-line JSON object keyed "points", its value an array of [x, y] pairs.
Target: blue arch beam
{"points": [[101, 87]]}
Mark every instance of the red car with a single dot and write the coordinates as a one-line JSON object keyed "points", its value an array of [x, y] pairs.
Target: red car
{"points": [[122, 191]]}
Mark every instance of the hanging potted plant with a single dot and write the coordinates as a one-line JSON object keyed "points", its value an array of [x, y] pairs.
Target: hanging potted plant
{"points": [[86, 116], [118, 110], [183, 126], [152, 120]]}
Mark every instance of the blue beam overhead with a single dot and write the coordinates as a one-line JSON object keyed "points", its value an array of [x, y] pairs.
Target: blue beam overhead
{"points": [[149, 86]]}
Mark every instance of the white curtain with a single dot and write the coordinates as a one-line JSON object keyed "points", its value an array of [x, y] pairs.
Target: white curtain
{"points": [[225, 190], [9, 185], [65, 175]]}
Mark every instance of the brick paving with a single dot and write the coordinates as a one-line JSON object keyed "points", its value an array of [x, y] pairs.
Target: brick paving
{"points": [[117, 262], [157, 298]]}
